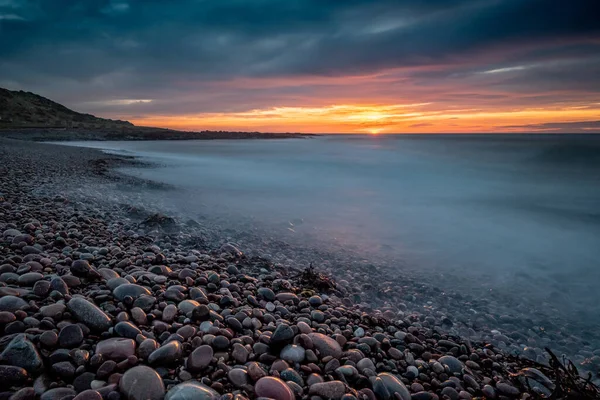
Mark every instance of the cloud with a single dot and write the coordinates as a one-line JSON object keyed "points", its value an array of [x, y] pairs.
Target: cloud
{"points": [[561, 127], [195, 56], [115, 8]]}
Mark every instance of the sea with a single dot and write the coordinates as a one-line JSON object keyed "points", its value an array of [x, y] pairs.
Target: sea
{"points": [[518, 214]]}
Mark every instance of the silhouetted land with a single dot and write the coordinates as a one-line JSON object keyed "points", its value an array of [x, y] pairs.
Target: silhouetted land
{"points": [[28, 116]]}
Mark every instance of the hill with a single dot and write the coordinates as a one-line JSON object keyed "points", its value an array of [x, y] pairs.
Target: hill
{"points": [[28, 116], [19, 109]]}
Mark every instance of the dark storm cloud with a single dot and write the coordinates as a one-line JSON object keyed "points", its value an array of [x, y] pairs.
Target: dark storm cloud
{"points": [[151, 48]]}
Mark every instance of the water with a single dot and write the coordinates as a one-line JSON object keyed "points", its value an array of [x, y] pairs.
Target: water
{"points": [[478, 213]]}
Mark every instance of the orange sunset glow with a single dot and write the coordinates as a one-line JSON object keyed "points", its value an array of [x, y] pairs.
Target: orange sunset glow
{"points": [[377, 118]]}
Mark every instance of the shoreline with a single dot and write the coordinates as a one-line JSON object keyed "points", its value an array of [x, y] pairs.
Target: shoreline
{"points": [[248, 308], [141, 133]]}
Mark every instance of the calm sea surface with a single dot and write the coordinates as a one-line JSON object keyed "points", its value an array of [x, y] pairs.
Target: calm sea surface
{"points": [[492, 211]]}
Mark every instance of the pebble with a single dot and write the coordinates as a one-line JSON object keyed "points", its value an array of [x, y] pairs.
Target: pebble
{"points": [[239, 353], [191, 390], [70, 336], [507, 389], [293, 353], [58, 394], [88, 395], [200, 358], [21, 352], [30, 278], [27, 393], [142, 383], [166, 354], [53, 310], [274, 388], [453, 364], [328, 390], [450, 393], [187, 306], [147, 347], [489, 392], [411, 372], [255, 371], [116, 348], [238, 377], [89, 314], [130, 289], [127, 329], [326, 345], [11, 303], [283, 334], [394, 385], [12, 375]]}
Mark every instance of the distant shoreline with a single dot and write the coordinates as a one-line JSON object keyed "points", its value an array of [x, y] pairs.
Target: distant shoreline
{"points": [[133, 133], [141, 133]]}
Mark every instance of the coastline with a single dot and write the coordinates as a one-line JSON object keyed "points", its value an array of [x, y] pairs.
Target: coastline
{"points": [[249, 307], [49, 134]]}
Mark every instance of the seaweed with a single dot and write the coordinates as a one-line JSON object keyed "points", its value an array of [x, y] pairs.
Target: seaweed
{"points": [[159, 221], [567, 383], [311, 279]]}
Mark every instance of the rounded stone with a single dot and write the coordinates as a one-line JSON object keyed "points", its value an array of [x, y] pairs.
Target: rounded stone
{"points": [[239, 353], [58, 393], [21, 352], [166, 354], [142, 383], [12, 375], [187, 306], [53, 310], [27, 393], [220, 342], [273, 388], [507, 389], [266, 293], [88, 395], [315, 301], [192, 390], [200, 358], [116, 348], [453, 364], [30, 278], [81, 268], [7, 317], [283, 334], [328, 390], [147, 347], [326, 345], [127, 329], [130, 289], [89, 314], [70, 336], [11, 303], [114, 283], [394, 385], [238, 377], [293, 353], [49, 338]]}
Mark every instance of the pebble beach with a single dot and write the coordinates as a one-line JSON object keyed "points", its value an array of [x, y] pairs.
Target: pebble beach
{"points": [[100, 300]]}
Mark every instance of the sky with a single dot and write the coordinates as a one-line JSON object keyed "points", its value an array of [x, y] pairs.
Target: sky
{"points": [[328, 66]]}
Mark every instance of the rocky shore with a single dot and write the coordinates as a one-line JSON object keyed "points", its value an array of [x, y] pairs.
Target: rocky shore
{"points": [[98, 302]]}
